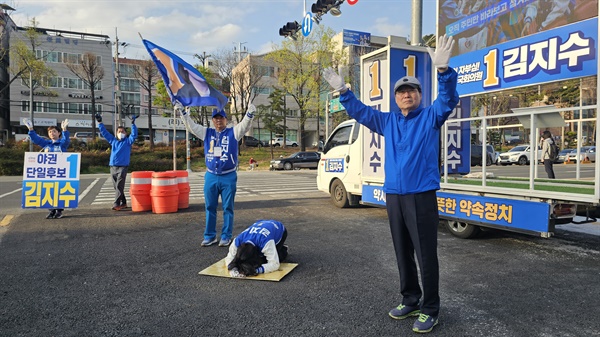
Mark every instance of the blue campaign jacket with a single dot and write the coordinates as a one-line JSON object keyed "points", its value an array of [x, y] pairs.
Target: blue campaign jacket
{"points": [[48, 145], [227, 160], [120, 150], [411, 142], [265, 235]]}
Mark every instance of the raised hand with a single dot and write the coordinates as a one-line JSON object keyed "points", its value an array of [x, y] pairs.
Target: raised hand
{"points": [[441, 56], [28, 123], [335, 81], [64, 124], [98, 118]]}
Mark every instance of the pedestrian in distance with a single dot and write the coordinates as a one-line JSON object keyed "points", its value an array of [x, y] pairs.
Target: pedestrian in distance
{"points": [[410, 186], [252, 164], [120, 154], [221, 158], [58, 142], [259, 249], [549, 153]]}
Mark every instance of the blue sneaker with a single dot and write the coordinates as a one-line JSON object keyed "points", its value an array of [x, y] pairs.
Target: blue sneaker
{"points": [[208, 242], [425, 323], [403, 311], [224, 242]]}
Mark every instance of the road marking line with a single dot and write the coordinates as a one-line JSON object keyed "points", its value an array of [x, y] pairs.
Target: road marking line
{"points": [[6, 220], [9, 193], [87, 190]]}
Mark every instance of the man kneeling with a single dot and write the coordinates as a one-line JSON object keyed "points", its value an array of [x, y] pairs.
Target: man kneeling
{"points": [[257, 250]]}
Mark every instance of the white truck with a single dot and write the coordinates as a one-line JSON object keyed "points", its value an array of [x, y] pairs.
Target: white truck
{"points": [[352, 161]]}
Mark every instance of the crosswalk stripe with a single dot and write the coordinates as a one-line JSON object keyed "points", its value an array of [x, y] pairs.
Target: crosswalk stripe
{"points": [[267, 186]]}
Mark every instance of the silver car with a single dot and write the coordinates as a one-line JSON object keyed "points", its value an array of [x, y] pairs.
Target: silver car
{"points": [[586, 153]]}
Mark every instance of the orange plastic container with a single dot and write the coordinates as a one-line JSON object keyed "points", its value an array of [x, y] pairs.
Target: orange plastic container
{"points": [[139, 191], [183, 184], [164, 192]]}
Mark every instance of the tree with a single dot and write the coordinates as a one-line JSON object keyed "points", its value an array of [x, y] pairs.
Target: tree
{"points": [[148, 76], [26, 65], [299, 67], [242, 79], [90, 71]]}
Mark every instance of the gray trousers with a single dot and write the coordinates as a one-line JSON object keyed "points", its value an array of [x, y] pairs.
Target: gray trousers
{"points": [[119, 174]]}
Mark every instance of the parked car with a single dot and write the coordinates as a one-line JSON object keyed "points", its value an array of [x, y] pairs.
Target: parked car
{"points": [[279, 141], [298, 160], [494, 154], [562, 155], [518, 155], [253, 142], [587, 153], [477, 155], [84, 137]]}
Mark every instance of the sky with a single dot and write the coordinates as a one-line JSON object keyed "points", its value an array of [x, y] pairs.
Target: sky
{"points": [[205, 26]]}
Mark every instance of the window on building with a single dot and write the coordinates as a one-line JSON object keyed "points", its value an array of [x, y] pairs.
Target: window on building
{"points": [[129, 84], [130, 98]]}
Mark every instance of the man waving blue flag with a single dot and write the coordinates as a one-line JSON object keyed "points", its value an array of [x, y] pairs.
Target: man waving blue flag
{"points": [[184, 83]]}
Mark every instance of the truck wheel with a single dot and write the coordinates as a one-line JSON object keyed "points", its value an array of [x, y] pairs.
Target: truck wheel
{"points": [[523, 161], [462, 230], [287, 166], [339, 196], [488, 161]]}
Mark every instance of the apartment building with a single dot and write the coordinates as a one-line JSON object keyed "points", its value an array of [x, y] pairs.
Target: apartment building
{"points": [[62, 95]]}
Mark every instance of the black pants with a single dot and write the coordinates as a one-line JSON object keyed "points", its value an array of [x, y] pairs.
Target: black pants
{"points": [[414, 224], [281, 249], [119, 174], [549, 169]]}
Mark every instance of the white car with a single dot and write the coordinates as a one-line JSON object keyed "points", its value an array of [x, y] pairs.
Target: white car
{"points": [[518, 155], [279, 142]]}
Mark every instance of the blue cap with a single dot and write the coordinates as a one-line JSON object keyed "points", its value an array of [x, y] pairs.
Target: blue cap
{"points": [[219, 113]]}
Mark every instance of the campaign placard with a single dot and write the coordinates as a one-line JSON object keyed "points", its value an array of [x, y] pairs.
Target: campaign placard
{"points": [[50, 180]]}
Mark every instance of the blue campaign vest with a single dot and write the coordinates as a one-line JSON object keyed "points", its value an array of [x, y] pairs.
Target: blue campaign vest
{"points": [[260, 233], [220, 151]]}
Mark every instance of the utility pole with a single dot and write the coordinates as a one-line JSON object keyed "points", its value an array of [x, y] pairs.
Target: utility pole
{"points": [[31, 105], [117, 120], [239, 51]]}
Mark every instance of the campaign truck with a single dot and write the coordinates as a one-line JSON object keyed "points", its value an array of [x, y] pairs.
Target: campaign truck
{"points": [[352, 161]]}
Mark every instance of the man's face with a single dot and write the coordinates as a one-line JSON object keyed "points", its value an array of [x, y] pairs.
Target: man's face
{"points": [[407, 98], [53, 134], [220, 122]]}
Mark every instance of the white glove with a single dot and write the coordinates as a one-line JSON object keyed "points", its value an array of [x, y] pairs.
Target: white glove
{"points": [[64, 124], [178, 107], [28, 123], [235, 273], [335, 81], [441, 56], [251, 110]]}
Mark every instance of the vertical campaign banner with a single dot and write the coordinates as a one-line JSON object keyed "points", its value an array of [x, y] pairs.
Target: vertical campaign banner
{"points": [[458, 139], [51, 180]]}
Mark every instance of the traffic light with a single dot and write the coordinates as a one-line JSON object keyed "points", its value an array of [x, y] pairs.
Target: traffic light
{"points": [[290, 29], [321, 7]]}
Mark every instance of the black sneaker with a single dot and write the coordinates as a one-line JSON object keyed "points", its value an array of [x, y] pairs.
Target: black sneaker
{"points": [[404, 311], [58, 215], [424, 323], [51, 214]]}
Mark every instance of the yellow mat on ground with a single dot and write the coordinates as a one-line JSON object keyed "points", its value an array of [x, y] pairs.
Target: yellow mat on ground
{"points": [[219, 269]]}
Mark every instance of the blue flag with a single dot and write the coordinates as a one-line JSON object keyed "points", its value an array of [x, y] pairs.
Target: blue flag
{"points": [[184, 83]]}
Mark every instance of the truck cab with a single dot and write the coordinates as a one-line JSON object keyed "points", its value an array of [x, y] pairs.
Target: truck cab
{"points": [[335, 175]]}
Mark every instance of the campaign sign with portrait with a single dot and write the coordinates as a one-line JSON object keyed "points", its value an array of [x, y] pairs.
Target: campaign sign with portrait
{"points": [[50, 180]]}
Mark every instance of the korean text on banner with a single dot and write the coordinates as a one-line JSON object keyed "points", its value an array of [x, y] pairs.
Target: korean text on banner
{"points": [[51, 180]]}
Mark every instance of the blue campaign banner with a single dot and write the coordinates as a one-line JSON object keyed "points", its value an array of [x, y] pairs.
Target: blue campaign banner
{"points": [[517, 214], [458, 142], [51, 180], [334, 165], [562, 53], [352, 37], [409, 62], [373, 194]]}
